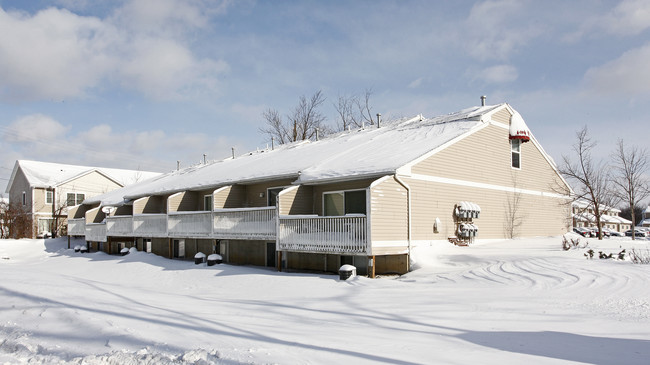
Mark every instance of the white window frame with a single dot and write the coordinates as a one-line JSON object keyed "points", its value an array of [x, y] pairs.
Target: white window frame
{"points": [[273, 188], [339, 192], [513, 152]]}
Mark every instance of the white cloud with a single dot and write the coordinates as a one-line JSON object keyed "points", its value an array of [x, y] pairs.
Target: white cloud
{"points": [[415, 83], [497, 74], [628, 74], [628, 18], [494, 29], [34, 127], [56, 54]]}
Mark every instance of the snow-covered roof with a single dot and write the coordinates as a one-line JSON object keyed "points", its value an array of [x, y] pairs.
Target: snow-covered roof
{"points": [[47, 174], [357, 154], [584, 204]]}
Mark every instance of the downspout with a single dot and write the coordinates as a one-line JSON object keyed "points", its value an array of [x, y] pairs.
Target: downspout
{"points": [[408, 216]]}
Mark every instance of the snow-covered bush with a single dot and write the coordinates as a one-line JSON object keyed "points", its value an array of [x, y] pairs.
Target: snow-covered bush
{"points": [[572, 241], [640, 256]]}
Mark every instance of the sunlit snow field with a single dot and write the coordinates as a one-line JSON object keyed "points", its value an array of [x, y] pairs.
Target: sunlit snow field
{"points": [[516, 301]]}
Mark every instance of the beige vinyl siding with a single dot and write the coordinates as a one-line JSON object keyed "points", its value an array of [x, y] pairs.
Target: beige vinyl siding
{"points": [[150, 205], [79, 211], [541, 216], [19, 185], [256, 193], [90, 184], [233, 196], [185, 201], [95, 215], [502, 116], [124, 210], [299, 200], [39, 196], [389, 211], [485, 157], [342, 186]]}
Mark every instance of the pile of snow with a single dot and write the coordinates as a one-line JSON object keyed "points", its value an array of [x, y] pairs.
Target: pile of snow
{"points": [[510, 301]]}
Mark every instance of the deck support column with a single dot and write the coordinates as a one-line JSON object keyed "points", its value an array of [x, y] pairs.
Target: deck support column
{"points": [[371, 267], [280, 261], [171, 249], [68, 242]]}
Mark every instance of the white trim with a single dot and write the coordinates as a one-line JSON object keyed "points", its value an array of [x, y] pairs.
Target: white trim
{"points": [[478, 185]]}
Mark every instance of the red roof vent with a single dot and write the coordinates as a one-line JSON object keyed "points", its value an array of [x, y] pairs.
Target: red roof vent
{"points": [[518, 128]]}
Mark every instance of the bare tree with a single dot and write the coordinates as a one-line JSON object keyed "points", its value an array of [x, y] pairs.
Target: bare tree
{"points": [[303, 123], [15, 222], [354, 110], [590, 178], [631, 184], [514, 217]]}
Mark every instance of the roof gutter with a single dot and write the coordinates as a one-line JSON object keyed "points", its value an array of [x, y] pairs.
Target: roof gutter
{"points": [[408, 215]]}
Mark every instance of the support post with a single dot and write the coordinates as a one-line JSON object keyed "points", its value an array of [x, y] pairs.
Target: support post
{"points": [[371, 267], [280, 261], [68, 242]]}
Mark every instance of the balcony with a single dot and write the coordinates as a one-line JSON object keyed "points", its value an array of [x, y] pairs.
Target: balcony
{"points": [[119, 226], [150, 225], [190, 224], [77, 227], [96, 232], [332, 235], [245, 223]]}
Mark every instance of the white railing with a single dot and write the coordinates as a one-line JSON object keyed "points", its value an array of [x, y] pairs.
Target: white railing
{"points": [[77, 227], [189, 224], [119, 226], [347, 234], [245, 223], [96, 232], [150, 225]]}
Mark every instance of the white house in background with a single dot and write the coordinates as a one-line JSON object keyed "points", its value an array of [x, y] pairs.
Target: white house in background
{"points": [[363, 197], [583, 216], [46, 189]]}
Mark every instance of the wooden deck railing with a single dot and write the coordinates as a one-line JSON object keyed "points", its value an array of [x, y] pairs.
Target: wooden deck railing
{"points": [[252, 223], [77, 227], [347, 234], [119, 226]]}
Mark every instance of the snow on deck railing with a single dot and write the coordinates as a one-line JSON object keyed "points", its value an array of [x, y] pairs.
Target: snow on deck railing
{"points": [[96, 232], [189, 224], [77, 227], [245, 222], [119, 226], [154, 225], [347, 234]]}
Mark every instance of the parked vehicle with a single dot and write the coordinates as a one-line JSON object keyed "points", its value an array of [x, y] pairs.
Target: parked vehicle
{"points": [[613, 233], [637, 233], [584, 232]]}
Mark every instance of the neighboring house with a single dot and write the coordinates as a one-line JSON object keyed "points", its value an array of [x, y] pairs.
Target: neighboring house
{"points": [[583, 216], [45, 189], [364, 197]]}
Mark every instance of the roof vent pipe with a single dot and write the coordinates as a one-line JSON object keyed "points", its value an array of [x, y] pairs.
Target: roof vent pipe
{"points": [[233, 152], [272, 143], [178, 165], [483, 97], [378, 119], [317, 134], [204, 156]]}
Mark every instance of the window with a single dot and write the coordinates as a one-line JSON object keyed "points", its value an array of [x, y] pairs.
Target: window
{"points": [[344, 202], [24, 198], [207, 202], [271, 196], [48, 197], [74, 199], [515, 148]]}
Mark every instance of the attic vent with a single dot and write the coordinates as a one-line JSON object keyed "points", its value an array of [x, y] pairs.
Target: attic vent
{"points": [[518, 128]]}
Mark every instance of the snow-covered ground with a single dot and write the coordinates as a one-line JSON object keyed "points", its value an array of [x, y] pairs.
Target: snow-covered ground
{"points": [[500, 302]]}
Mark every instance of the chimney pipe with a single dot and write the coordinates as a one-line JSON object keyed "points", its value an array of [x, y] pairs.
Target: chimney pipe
{"points": [[233, 152], [378, 119], [483, 97]]}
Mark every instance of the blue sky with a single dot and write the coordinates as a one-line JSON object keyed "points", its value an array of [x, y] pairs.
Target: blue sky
{"points": [[141, 84]]}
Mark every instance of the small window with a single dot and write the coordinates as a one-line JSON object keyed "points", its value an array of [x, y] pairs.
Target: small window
{"points": [[207, 202], [70, 200], [80, 198], [515, 148], [24, 198], [48, 197]]}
